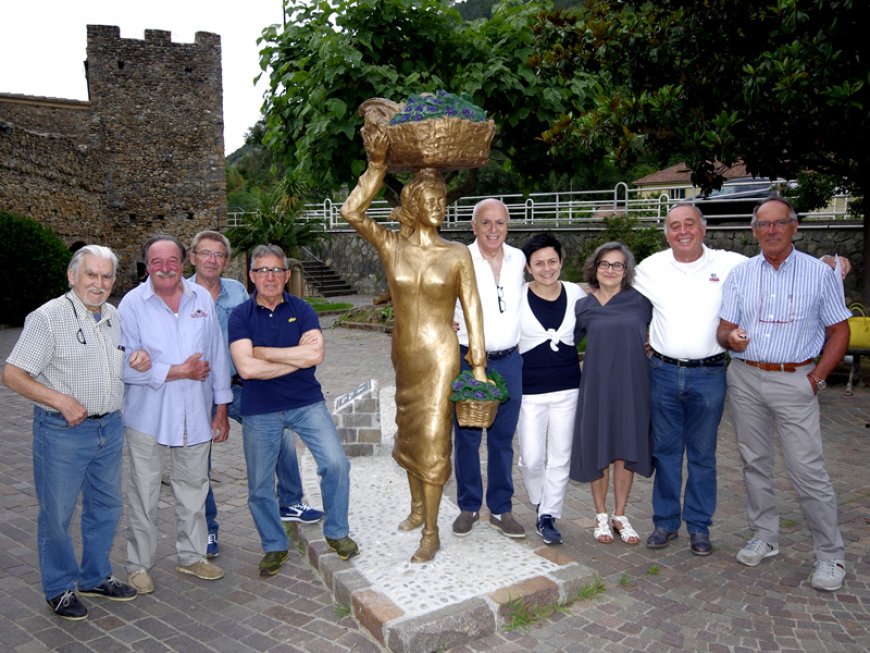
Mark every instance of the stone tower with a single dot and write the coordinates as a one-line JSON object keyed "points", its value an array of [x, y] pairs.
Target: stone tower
{"points": [[143, 155]]}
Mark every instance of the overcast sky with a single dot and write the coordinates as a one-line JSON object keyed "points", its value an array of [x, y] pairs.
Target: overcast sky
{"points": [[43, 45]]}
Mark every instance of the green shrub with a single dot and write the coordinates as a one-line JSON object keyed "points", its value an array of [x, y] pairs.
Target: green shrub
{"points": [[33, 264]]}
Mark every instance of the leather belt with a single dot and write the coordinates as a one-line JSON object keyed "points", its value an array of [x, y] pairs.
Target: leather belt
{"points": [[691, 362], [776, 367], [498, 355], [237, 380], [100, 416]]}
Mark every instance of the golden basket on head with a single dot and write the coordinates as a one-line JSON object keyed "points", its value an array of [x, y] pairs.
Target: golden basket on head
{"points": [[444, 143], [477, 414]]}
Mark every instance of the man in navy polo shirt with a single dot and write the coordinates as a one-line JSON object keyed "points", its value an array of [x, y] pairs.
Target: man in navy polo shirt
{"points": [[276, 342]]}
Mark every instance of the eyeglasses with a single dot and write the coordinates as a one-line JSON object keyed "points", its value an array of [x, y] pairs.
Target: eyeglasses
{"points": [[767, 224], [606, 265], [501, 305], [275, 270], [207, 253]]}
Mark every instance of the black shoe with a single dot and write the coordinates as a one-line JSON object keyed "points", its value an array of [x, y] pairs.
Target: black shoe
{"points": [[700, 544], [112, 589], [660, 538], [67, 606]]}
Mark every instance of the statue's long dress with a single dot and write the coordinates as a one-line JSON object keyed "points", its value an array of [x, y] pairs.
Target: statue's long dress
{"points": [[424, 285]]}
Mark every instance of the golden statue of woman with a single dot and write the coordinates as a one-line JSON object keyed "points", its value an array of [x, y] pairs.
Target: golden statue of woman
{"points": [[426, 274]]}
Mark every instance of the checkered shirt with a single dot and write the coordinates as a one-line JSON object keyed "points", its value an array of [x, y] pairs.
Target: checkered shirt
{"points": [[65, 349]]}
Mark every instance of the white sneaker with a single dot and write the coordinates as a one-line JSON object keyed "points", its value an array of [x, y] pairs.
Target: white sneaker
{"points": [[755, 551], [828, 575]]}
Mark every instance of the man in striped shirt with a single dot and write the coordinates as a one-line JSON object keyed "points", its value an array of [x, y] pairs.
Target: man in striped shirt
{"points": [[779, 310]]}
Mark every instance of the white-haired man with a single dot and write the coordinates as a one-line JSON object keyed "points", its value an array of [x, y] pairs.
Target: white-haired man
{"points": [[68, 361]]}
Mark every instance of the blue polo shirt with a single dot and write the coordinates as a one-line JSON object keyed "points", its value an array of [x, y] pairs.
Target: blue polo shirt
{"points": [[282, 327]]}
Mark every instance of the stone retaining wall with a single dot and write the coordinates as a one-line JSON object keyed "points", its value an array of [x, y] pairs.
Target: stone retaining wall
{"points": [[356, 261]]}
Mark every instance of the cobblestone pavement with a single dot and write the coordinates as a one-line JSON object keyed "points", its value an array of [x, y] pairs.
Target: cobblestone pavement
{"points": [[654, 601]]}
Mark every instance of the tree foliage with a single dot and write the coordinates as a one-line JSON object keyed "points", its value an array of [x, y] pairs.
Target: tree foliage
{"points": [[278, 220], [333, 55], [25, 245], [782, 85]]}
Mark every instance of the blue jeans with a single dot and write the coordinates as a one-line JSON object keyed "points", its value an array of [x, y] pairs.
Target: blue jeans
{"points": [[499, 445], [289, 479], [67, 462], [264, 436], [687, 404]]}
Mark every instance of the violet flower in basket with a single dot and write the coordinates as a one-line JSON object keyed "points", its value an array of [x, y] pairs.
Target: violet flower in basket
{"points": [[466, 388]]}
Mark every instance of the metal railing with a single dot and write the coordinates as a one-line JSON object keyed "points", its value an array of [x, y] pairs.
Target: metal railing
{"points": [[569, 209]]}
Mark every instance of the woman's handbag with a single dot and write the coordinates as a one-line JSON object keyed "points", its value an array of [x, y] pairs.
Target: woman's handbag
{"points": [[859, 327]]}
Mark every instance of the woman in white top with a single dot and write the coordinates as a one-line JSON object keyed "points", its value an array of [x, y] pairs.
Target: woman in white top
{"points": [[551, 376]]}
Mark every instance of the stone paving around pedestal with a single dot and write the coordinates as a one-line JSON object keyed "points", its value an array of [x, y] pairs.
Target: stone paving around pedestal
{"points": [[653, 601]]}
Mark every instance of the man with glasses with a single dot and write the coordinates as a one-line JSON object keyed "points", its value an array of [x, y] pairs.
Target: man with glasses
{"points": [[178, 407], [499, 269], [779, 310], [68, 361], [276, 343], [209, 256]]}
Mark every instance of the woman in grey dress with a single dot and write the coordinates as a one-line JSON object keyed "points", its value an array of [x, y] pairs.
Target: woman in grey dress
{"points": [[612, 424]]}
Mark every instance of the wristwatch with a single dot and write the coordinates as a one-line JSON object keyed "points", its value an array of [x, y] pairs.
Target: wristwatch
{"points": [[821, 384]]}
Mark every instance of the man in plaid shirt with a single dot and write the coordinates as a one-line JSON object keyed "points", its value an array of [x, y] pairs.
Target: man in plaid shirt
{"points": [[69, 361]]}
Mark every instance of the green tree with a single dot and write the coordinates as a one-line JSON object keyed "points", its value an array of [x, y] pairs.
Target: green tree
{"points": [[781, 85], [34, 266], [333, 55]]}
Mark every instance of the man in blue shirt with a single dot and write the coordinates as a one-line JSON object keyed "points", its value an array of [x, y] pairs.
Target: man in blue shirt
{"points": [[779, 310], [177, 407], [276, 342], [209, 256]]}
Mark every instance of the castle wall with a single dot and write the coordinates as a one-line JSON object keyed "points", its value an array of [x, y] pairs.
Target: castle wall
{"points": [[144, 155]]}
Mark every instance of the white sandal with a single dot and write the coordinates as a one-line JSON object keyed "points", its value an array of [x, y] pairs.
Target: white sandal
{"points": [[622, 526], [602, 529]]}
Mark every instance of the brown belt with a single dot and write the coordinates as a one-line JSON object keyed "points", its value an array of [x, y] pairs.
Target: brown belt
{"points": [[776, 367]]}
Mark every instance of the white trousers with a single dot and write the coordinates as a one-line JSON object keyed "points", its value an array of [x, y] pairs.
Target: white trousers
{"points": [[546, 430], [188, 477]]}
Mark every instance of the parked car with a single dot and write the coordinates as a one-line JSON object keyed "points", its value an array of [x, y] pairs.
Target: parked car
{"points": [[734, 202]]}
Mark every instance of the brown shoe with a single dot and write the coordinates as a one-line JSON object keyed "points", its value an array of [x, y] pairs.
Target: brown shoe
{"points": [[506, 523], [202, 569], [462, 524], [141, 581]]}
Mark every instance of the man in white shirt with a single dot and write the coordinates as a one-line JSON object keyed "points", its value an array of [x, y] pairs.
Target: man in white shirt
{"points": [[687, 374], [499, 269]]}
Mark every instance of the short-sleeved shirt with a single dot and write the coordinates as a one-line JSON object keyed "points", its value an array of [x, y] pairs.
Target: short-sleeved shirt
{"points": [[64, 348], [686, 299], [281, 327], [784, 311]]}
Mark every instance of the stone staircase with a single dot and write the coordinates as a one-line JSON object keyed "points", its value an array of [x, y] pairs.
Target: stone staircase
{"points": [[326, 280]]}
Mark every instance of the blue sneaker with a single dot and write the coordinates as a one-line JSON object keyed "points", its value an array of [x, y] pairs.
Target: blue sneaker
{"points": [[546, 528], [212, 550], [302, 513]]}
